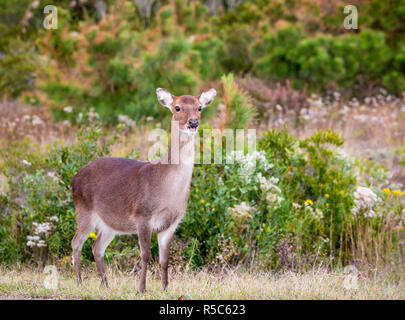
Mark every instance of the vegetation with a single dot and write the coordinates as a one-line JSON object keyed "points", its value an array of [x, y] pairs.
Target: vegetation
{"points": [[202, 284], [294, 203], [324, 187], [113, 64]]}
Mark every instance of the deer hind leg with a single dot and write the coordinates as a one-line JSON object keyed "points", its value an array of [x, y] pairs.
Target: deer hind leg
{"points": [[164, 239], [144, 234], [82, 233], [99, 246]]}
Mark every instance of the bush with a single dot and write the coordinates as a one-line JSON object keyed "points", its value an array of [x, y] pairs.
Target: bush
{"points": [[116, 58], [299, 206], [293, 203], [325, 62], [239, 111], [38, 212]]}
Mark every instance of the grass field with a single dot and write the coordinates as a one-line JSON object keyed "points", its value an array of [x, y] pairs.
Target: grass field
{"points": [[29, 284]]}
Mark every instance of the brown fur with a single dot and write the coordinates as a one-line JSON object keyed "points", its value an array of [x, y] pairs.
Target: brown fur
{"points": [[124, 196]]}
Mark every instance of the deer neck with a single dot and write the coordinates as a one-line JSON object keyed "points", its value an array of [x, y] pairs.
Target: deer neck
{"points": [[181, 149]]}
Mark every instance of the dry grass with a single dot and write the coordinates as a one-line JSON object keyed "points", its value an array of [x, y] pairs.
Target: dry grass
{"points": [[26, 283]]}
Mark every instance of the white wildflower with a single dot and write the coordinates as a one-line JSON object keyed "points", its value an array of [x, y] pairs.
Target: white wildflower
{"points": [[267, 185], [35, 241], [27, 163], [31, 243], [41, 243], [53, 175], [26, 117], [274, 180], [364, 201], [296, 206], [315, 212], [36, 121], [54, 218], [42, 228], [318, 213], [249, 162], [68, 109], [93, 115], [122, 118], [242, 210], [274, 199]]}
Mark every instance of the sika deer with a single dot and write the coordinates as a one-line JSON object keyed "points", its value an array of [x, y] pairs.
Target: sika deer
{"points": [[123, 196]]}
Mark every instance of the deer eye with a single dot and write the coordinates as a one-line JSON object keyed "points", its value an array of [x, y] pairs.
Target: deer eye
{"points": [[177, 108], [199, 108]]}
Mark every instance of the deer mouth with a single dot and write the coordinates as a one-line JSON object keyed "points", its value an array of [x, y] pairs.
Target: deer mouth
{"points": [[190, 130]]}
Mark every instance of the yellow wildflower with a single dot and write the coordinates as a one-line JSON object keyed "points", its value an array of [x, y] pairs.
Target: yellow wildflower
{"points": [[326, 195], [398, 192], [327, 204], [66, 259], [309, 202], [93, 235], [342, 192], [386, 191]]}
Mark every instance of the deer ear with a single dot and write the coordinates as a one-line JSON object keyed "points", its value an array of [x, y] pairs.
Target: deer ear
{"points": [[165, 97], [207, 97]]}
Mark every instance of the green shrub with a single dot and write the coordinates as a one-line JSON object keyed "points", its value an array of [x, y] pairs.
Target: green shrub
{"points": [[239, 111], [39, 193], [292, 204], [325, 62], [17, 64], [300, 192]]}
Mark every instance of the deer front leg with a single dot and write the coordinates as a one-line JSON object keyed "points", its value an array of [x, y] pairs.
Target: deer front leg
{"points": [[164, 239], [144, 242]]}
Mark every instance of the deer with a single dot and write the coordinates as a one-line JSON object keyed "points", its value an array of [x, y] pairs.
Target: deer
{"points": [[124, 196]]}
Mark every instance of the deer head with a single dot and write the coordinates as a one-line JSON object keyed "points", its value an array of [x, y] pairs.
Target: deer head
{"points": [[186, 109]]}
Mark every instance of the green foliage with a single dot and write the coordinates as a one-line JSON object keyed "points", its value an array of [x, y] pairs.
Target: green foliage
{"points": [[17, 63], [300, 194], [386, 16], [185, 46], [288, 205], [323, 61], [232, 211], [38, 189], [239, 110]]}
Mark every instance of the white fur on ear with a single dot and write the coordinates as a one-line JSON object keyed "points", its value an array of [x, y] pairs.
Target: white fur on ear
{"points": [[165, 97], [207, 97]]}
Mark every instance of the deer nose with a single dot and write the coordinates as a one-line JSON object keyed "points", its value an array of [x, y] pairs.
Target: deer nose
{"points": [[193, 123]]}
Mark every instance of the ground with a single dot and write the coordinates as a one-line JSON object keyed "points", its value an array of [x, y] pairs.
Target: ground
{"points": [[317, 284]]}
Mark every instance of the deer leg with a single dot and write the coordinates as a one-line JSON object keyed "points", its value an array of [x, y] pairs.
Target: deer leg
{"points": [[164, 239], [144, 242], [81, 235], [99, 246]]}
